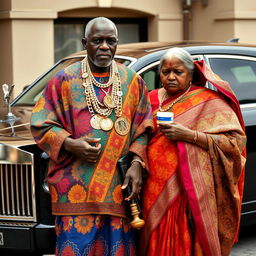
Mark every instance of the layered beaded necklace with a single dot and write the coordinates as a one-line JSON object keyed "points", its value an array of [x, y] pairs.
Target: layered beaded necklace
{"points": [[100, 111], [174, 102]]}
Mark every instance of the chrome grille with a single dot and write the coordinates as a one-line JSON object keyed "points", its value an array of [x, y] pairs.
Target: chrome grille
{"points": [[17, 201]]}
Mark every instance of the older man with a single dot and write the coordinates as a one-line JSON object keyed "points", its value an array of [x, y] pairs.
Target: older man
{"points": [[90, 114]]}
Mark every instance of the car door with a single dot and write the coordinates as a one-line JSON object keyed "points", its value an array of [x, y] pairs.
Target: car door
{"points": [[240, 72]]}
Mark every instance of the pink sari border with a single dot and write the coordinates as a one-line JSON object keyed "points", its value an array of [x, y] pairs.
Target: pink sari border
{"points": [[190, 190]]}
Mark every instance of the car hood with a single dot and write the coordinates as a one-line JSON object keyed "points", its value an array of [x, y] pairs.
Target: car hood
{"points": [[19, 134]]}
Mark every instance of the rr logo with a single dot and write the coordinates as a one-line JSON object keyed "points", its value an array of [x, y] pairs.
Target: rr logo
{"points": [[1, 238]]}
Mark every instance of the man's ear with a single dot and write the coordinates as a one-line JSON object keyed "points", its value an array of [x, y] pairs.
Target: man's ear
{"points": [[84, 42]]}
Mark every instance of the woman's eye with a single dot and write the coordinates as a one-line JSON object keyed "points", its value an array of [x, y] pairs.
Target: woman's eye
{"points": [[165, 72], [178, 72]]}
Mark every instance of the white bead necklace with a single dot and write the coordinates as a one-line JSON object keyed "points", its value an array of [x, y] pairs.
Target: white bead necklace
{"points": [[97, 83], [114, 100]]}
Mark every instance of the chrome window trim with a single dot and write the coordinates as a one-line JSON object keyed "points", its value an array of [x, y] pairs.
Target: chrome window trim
{"points": [[246, 213], [229, 56], [153, 64], [249, 202], [248, 105], [131, 59], [156, 63]]}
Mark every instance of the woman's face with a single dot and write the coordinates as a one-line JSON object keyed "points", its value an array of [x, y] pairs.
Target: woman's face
{"points": [[174, 76]]}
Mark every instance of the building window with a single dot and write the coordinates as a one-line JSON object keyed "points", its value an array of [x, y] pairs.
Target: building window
{"points": [[67, 39], [69, 32]]}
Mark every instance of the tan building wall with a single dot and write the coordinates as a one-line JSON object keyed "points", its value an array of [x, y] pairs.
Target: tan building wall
{"points": [[222, 20], [27, 27]]}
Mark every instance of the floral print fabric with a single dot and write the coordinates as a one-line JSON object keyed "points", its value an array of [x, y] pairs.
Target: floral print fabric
{"points": [[94, 235]]}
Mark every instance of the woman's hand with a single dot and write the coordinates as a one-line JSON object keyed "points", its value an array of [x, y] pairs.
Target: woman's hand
{"points": [[85, 148], [177, 132]]}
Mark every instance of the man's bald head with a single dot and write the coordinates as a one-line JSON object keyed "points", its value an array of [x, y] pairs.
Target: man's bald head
{"points": [[100, 42], [95, 21]]}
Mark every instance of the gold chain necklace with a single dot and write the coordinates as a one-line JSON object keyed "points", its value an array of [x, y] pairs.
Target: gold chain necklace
{"points": [[174, 102], [101, 119]]}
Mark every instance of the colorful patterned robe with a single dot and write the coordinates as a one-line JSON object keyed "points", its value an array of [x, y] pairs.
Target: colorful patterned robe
{"points": [[78, 187]]}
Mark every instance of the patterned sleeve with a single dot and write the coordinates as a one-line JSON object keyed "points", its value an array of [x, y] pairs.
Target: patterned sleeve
{"points": [[142, 122], [48, 123]]}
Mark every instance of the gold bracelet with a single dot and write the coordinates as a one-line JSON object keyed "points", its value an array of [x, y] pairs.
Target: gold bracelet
{"points": [[195, 136], [140, 161]]}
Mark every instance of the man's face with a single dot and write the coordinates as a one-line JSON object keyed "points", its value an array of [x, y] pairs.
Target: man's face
{"points": [[101, 45]]}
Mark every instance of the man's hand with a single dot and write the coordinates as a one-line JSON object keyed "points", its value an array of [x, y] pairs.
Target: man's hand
{"points": [[133, 175], [85, 148]]}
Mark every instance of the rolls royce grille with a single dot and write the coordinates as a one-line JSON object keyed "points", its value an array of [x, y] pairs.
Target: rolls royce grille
{"points": [[17, 185]]}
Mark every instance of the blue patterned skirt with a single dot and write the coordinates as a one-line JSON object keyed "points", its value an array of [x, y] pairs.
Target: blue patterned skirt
{"points": [[101, 235]]}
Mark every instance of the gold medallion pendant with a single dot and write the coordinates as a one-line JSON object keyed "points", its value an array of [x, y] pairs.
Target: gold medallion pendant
{"points": [[108, 101], [106, 124], [95, 122], [122, 125], [84, 75]]}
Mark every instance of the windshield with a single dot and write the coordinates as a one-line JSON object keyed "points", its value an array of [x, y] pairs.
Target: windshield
{"points": [[31, 95]]}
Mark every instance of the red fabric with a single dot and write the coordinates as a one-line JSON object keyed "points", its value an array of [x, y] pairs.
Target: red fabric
{"points": [[174, 224]]}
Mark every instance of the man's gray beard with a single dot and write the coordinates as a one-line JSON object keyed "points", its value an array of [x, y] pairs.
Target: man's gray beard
{"points": [[102, 65]]}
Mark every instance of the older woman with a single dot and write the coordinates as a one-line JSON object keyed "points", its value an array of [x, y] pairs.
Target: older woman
{"points": [[192, 198]]}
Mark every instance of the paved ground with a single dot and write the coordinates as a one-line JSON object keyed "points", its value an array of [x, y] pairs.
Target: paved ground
{"points": [[247, 243], [245, 247]]}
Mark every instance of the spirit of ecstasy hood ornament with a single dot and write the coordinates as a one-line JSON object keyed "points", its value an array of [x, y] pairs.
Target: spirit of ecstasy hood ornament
{"points": [[10, 118]]}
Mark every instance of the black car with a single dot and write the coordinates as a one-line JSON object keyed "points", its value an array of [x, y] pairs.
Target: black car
{"points": [[25, 202]]}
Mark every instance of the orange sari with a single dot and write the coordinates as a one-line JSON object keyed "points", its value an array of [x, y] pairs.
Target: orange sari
{"points": [[188, 187]]}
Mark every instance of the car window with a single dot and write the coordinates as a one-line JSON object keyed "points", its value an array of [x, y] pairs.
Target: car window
{"points": [[33, 92], [151, 77], [240, 73], [150, 74]]}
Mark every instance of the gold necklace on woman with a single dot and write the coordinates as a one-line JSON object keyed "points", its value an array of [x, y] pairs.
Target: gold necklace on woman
{"points": [[174, 102], [111, 101]]}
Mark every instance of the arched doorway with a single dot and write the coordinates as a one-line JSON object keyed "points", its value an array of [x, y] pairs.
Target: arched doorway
{"points": [[69, 28]]}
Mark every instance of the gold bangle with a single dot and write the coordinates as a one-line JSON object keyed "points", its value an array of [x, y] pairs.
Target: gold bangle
{"points": [[195, 136], [140, 161]]}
